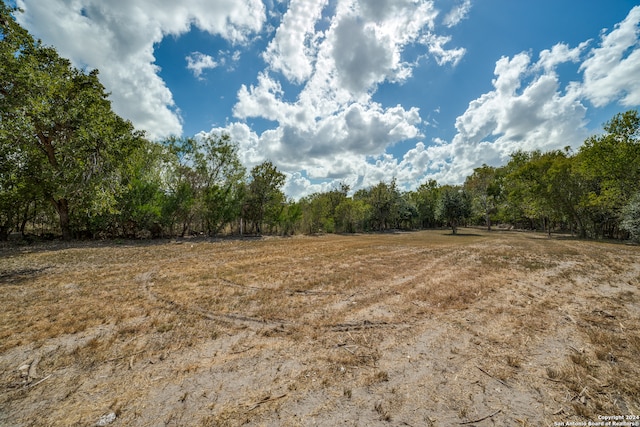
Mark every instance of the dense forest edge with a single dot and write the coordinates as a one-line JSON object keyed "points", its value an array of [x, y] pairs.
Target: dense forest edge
{"points": [[71, 168]]}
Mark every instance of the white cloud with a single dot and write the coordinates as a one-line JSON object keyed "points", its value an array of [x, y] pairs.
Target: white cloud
{"points": [[197, 62], [612, 69], [333, 130], [529, 109], [361, 58], [291, 51], [338, 53], [366, 40], [539, 116], [262, 100], [559, 54], [442, 55], [356, 131], [457, 14], [118, 38]]}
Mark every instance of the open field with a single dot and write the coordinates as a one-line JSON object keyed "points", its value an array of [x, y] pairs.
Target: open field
{"points": [[404, 329]]}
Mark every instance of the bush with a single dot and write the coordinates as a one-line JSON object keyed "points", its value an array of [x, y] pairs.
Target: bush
{"points": [[631, 218]]}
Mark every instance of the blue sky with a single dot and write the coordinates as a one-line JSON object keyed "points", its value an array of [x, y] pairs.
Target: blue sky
{"points": [[358, 91]]}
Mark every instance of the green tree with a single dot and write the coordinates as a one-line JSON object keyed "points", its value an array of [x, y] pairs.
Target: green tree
{"points": [[520, 204], [205, 183], [454, 207], [182, 184], [59, 120], [17, 197], [224, 178], [406, 212], [384, 201], [264, 197], [290, 217], [317, 216], [425, 198], [352, 215], [140, 205], [610, 165], [565, 189], [631, 217], [484, 189], [320, 210]]}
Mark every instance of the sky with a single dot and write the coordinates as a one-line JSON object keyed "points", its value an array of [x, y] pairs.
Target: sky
{"points": [[358, 91]]}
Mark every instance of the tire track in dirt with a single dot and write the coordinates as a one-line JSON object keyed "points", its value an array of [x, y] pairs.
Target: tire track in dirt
{"points": [[248, 321], [237, 319]]}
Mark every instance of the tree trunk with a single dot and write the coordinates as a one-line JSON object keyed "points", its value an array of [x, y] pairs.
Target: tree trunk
{"points": [[4, 233], [25, 218], [62, 207]]}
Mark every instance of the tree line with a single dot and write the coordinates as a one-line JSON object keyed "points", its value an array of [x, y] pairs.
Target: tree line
{"points": [[71, 167]]}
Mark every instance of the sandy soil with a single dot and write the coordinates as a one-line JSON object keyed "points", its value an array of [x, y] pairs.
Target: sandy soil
{"points": [[401, 329]]}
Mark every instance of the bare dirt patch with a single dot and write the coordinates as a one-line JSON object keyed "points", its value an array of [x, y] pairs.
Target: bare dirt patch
{"points": [[411, 329]]}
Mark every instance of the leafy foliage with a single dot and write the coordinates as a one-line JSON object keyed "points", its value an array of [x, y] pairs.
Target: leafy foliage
{"points": [[631, 218], [454, 207], [264, 197], [67, 158], [68, 143]]}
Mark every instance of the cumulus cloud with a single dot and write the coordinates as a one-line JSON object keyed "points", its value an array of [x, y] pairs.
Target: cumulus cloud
{"points": [[334, 55], [197, 62], [527, 110], [262, 100], [291, 51], [362, 59], [612, 69], [118, 38], [442, 55], [559, 54], [333, 130]]}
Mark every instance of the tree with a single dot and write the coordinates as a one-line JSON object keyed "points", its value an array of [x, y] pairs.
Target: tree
{"points": [[631, 217], [320, 210], [317, 216], [224, 177], [565, 189], [383, 199], [425, 199], [60, 121], [484, 189], [16, 195], [352, 215], [264, 198], [205, 182], [454, 207], [290, 217], [610, 164], [140, 205]]}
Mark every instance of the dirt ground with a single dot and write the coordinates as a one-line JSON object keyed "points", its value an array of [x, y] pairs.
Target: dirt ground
{"points": [[399, 329]]}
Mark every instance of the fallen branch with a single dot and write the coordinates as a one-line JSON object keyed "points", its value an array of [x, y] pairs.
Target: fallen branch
{"points": [[347, 348], [243, 350], [483, 418], [310, 292], [265, 400], [42, 380], [497, 379]]}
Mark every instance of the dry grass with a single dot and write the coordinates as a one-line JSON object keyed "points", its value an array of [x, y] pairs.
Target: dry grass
{"points": [[417, 328]]}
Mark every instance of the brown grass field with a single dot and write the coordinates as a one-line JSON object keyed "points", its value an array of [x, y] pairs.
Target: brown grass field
{"points": [[399, 329]]}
